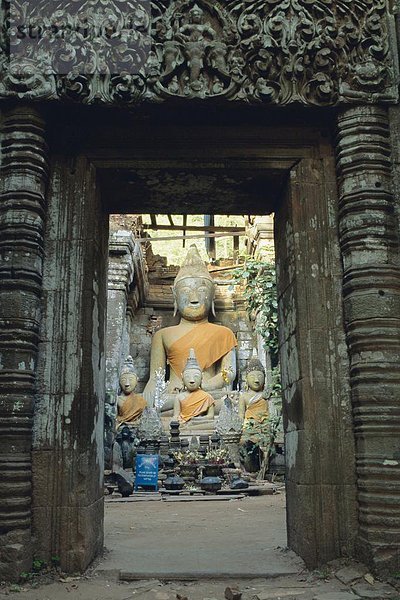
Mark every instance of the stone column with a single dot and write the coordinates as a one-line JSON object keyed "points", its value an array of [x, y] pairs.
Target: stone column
{"points": [[120, 277], [371, 291], [23, 184], [68, 437], [319, 441]]}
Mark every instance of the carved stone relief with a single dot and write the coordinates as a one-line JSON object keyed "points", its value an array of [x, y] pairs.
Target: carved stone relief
{"points": [[313, 52]]}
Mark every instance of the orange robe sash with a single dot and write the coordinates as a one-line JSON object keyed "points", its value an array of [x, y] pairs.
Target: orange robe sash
{"points": [[257, 410], [131, 409], [196, 403], [210, 342]]}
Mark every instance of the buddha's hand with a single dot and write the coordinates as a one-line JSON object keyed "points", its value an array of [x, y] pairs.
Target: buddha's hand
{"points": [[148, 393]]}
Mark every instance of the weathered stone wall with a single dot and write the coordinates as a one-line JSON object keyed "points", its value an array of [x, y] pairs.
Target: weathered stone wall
{"points": [[319, 444], [68, 428]]}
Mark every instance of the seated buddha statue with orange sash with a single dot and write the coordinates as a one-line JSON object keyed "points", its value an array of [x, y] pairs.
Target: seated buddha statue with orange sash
{"points": [[253, 404], [193, 401], [214, 345], [129, 405]]}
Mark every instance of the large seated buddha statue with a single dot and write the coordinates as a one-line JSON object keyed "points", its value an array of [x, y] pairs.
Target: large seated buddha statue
{"points": [[214, 345]]}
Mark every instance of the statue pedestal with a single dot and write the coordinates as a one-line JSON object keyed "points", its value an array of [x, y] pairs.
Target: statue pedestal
{"points": [[193, 427]]}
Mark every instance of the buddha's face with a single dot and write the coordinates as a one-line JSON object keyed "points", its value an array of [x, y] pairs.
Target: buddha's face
{"points": [[256, 380], [194, 296], [128, 382], [192, 379]]}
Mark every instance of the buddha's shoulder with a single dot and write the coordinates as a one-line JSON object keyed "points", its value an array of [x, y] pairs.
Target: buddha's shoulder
{"points": [[219, 327], [222, 329], [168, 334]]}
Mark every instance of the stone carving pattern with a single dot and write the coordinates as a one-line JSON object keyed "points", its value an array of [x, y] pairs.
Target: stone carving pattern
{"points": [[319, 52], [369, 245], [23, 181]]}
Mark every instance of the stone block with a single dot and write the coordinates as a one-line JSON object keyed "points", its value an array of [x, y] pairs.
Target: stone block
{"points": [[232, 593], [313, 529], [377, 591], [336, 596], [351, 573], [244, 336], [279, 594]]}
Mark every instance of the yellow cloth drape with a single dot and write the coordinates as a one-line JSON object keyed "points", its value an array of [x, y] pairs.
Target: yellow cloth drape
{"points": [[195, 404], [210, 342], [257, 410], [131, 409]]}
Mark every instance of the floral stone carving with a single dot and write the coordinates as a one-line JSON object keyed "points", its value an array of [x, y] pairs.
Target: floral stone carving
{"points": [[313, 52]]}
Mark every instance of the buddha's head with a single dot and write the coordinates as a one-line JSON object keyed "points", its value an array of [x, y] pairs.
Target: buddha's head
{"points": [[128, 379], [192, 374], [255, 375], [193, 288]]}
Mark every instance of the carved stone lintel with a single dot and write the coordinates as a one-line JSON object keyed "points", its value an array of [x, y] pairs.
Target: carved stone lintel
{"points": [[369, 244], [319, 53], [24, 174]]}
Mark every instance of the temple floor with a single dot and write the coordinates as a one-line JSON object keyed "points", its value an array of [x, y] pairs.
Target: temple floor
{"points": [[241, 538], [222, 544]]}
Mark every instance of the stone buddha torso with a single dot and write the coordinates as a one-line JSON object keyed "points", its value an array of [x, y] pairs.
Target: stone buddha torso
{"points": [[253, 403], [194, 402], [129, 405]]}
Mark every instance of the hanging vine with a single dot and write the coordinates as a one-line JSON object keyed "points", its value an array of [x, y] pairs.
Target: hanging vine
{"points": [[257, 279]]}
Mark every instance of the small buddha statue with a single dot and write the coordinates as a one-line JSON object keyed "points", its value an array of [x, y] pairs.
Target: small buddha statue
{"points": [[193, 401], [129, 405], [253, 404], [214, 345]]}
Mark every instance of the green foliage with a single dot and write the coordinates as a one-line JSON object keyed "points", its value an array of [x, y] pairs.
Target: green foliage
{"points": [[322, 573], [38, 565], [263, 433], [258, 432], [276, 387], [39, 568], [258, 279]]}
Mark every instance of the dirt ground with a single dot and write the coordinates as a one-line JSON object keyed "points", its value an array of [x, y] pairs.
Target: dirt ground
{"points": [[94, 587], [245, 537], [195, 550]]}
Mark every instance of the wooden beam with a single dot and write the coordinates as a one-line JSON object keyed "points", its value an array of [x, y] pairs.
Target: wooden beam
{"points": [[187, 237], [184, 223], [235, 247], [232, 229]]}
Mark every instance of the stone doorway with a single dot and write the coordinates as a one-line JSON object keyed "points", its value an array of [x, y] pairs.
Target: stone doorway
{"points": [[289, 170]]}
